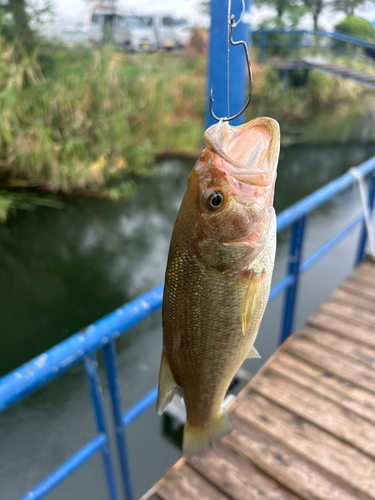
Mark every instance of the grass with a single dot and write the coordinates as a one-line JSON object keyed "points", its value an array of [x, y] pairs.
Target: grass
{"points": [[91, 117], [90, 121]]}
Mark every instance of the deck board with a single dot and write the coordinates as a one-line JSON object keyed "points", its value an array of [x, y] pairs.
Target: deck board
{"points": [[344, 326], [333, 363], [237, 477], [304, 426], [343, 345], [332, 387], [345, 296], [342, 423]]}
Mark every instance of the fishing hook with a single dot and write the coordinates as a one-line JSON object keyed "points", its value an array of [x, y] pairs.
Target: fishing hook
{"points": [[232, 24]]}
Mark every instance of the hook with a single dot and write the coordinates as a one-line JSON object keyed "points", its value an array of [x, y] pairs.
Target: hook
{"points": [[231, 26]]}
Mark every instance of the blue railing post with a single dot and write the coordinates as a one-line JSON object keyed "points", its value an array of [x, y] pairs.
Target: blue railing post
{"points": [[217, 61], [91, 365], [114, 389], [363, 237], [294, 262]]}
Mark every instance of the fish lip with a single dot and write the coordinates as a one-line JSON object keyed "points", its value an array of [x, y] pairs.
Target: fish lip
{"points": [[214, 134]]}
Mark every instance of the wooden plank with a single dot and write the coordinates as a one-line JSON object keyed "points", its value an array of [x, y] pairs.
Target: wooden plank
{"points": [[307, 480], [361, 279], [347, 297], [342, 366], [342, 326], [359, 289], [237, 477], [324, 383], [367, 268], [149, 495], [349, 312], [343, 345], [186, 484], [340, 422], [315, 445]]}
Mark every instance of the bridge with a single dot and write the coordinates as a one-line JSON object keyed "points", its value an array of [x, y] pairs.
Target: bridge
{"points": [[296, 50], [310, 430]]}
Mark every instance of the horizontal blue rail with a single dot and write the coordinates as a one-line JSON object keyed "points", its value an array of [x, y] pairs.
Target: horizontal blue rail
{"points": [[335, 35], [63, 356], [66, 468], [101, 335]]}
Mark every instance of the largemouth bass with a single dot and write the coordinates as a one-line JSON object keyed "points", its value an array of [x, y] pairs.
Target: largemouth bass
{"points": [[218, 274]]}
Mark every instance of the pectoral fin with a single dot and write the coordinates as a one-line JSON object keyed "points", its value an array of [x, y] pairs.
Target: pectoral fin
{"points": [[251, 300], [167, 385]]}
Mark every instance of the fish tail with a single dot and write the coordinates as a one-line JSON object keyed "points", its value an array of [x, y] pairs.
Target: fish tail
{"points": [[199, 440]]}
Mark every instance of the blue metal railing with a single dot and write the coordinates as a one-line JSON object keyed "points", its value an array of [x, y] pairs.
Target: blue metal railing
{"points": [[102, 334], [299, 39]]}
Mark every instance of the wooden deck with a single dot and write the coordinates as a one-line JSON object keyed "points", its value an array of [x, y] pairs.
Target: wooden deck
{"points": [[304, 427]]}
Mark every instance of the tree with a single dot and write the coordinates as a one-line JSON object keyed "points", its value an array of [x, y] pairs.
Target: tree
{"points": [[315, 7], [281, 6], [21, 19], [18, 9], [347, 6]]}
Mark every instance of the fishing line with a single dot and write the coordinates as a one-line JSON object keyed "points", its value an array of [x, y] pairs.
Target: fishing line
{"points": [[232, 24]]}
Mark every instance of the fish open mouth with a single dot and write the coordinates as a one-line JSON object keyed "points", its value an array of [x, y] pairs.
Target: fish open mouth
{"points": [[249, 152]]}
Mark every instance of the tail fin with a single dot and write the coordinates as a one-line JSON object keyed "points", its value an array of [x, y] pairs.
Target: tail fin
{"points": [[199, 440]]}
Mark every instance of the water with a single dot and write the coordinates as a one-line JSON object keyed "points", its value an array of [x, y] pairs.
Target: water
{"points": [[62, 269]]}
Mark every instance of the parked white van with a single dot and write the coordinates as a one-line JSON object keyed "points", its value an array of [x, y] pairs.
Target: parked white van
{"points": [[128, 32], [168, 30]]}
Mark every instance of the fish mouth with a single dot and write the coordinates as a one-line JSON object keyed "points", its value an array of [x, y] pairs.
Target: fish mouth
{"points": [[250, 152]]}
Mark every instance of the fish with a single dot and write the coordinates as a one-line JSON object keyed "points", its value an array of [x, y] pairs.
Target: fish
{"points": [[218, 275]]}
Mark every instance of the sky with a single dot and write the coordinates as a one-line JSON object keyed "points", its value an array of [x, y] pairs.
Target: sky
{"points": [[75, 10]]}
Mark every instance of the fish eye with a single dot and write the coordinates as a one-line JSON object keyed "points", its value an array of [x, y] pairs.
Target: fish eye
{"points": [[214, 200]]}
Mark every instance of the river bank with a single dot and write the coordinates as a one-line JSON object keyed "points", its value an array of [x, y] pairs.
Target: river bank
{"points": [[92, 122]]}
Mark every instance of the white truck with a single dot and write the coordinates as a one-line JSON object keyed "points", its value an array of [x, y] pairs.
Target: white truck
{"points": [[170, 32], [128, 32]]}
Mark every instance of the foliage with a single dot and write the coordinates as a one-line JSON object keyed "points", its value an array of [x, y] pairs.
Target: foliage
{"points": [[280, 43], [17, 15], [297, 103], [94, 116], [347, 6], [356, 26], [280, 6], [77, 120], [5, 206], [315, 7]]}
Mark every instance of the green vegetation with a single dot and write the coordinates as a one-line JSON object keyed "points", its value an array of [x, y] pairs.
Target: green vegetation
{"points": [[347, 6], [83, 119], [298, 102], [356, 26], [289, 12], [92, 121]]}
